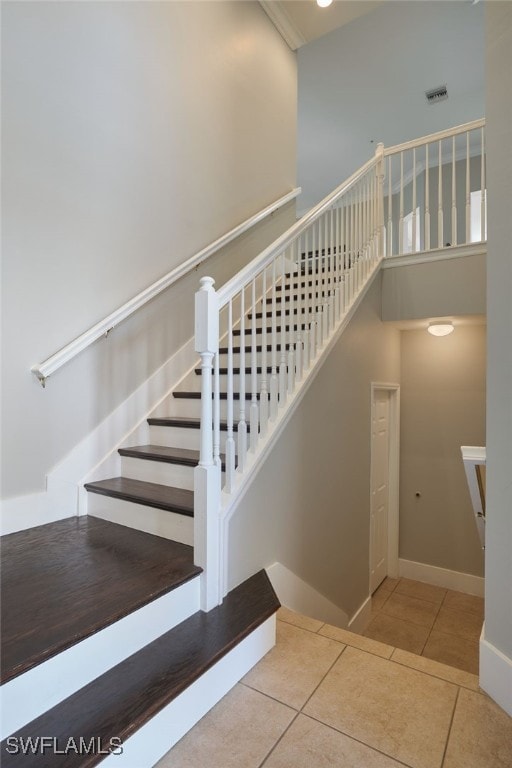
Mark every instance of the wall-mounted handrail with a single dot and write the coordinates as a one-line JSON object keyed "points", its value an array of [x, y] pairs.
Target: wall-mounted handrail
{"points": [[64, 355]]}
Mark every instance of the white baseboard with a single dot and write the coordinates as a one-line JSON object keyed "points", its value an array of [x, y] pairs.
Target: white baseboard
{"points": [[153, 740], [22, 512], [361, 617], [442, 577], [495, 674], [297, 595]]}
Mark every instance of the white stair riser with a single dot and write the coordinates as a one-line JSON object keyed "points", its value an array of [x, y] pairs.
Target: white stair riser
{"points": [[192, 407], [29, 695], [185, 438], [175, 475], [153, 740], [159, 522]]}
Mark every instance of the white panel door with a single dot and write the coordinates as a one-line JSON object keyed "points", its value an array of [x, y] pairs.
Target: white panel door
{"points": [[379, 489]]}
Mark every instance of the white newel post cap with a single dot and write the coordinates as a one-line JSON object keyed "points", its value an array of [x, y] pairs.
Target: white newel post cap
{"points": [[207, 317]]}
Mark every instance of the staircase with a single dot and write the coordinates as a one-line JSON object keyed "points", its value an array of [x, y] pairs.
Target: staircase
{"points": [[158, 637]]}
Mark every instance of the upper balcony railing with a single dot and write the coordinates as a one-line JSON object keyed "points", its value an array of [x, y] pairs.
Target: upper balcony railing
{"points": [[434, 191]]}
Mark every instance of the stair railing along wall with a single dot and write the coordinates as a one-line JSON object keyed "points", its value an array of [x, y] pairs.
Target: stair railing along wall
{"points": [[272, 320]]}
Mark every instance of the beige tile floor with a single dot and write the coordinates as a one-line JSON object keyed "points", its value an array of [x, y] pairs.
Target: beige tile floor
{"points": [[327, 698], [434, 622]]}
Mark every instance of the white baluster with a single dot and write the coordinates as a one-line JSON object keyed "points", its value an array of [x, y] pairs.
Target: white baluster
{"points": [[264, 381], [207, 473], [307, 316], [282, 359], [230, 440], [300, 312], [454, 196], [389, 233], [293, 313], [468, 192], [216, 412], [427, 201], [332, 272], [414, 223], [483, 233], [274, 382], [312, 325], [401, 219], [254, 410], [440, 235], [242, 423]]}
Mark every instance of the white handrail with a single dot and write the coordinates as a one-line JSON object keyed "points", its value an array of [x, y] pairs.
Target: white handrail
{"points": [[229, 289], [64, 355], [439, 136]]}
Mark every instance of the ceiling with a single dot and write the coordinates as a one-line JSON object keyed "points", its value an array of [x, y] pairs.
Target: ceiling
{"points": [[300, 21]]}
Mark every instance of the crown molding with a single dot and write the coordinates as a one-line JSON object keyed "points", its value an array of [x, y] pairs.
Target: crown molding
{"points": [[282, 22]]}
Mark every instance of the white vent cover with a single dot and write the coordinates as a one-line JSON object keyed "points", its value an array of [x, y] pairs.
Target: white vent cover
{"points": [[437, 94]]}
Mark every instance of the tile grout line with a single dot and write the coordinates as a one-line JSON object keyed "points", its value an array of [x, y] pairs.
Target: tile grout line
{"points": [[450, 727], [299, 711], [358, 741], [433, 624]]}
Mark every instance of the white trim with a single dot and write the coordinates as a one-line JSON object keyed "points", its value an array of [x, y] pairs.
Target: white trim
{"points": [[297, 595], [393, 472], [442, 577], [437, 254], [29, 695], [22, 512], [283, 23], [432, 137], [254, 461], [495, 674], [64, 355], [471, 457], [153, 740], [361, 617]]}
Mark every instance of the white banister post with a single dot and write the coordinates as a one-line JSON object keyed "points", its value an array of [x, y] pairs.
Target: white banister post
{"points": [[207, 473], [379, 154]]}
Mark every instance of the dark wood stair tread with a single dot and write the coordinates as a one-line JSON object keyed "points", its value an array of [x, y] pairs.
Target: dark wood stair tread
{"points": [[123, 699], [187, 457], [236, 371], [64, 581], [187, 422], [149, 494]]}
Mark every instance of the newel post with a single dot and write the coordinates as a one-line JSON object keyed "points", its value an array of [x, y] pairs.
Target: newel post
{"points": [[379, 154], [207, 484]]}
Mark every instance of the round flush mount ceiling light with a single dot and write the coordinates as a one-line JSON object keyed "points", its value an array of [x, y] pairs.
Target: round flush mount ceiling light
{"points": [[323, 3], [440, 329]]}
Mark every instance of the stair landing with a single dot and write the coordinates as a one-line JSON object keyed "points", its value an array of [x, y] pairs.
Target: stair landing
{"points": [[65, 581]]}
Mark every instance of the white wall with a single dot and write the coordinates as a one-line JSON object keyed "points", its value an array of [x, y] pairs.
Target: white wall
{"points": [[498, 567], [309, 506], [366, 82], [442, 407], [133, 135]]}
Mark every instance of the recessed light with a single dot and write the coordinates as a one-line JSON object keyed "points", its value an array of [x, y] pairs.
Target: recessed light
{"points": [[323, 3]]}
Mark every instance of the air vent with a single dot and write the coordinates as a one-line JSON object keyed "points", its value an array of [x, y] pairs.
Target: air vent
{"points": [[437, 94]]}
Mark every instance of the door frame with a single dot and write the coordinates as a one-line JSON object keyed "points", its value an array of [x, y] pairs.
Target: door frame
{"points": [[393, 472]]}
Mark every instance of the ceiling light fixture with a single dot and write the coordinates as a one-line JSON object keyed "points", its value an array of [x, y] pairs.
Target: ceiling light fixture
{"points": [[440, 329], [323, 3]]}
